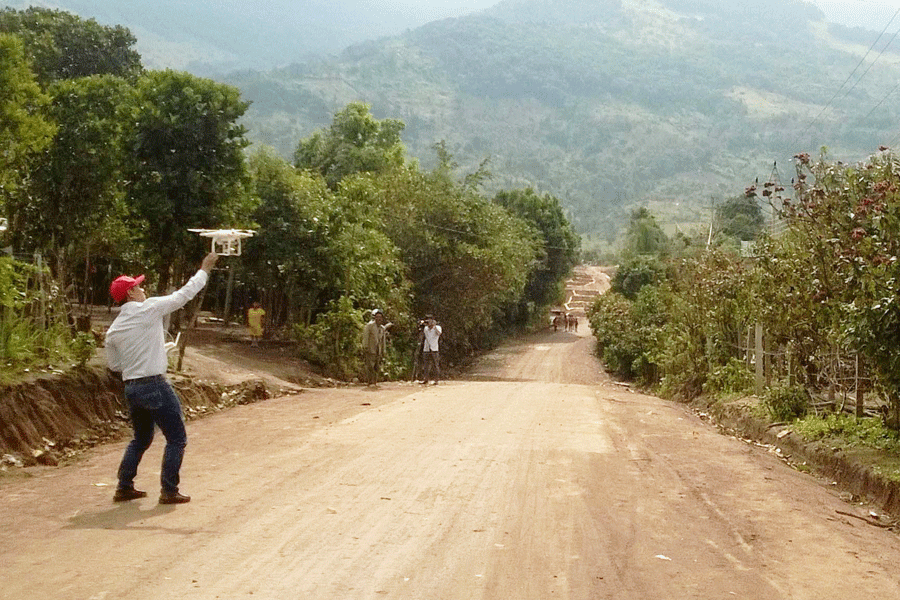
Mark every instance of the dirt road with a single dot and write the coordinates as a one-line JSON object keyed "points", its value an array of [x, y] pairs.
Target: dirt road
{"points": [[533, 478]]}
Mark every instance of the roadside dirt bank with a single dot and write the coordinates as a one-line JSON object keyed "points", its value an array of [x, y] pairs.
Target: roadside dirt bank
{"points": [[51, 419], [854, 473]]}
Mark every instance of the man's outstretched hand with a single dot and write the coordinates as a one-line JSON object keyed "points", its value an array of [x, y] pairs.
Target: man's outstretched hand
{"points": [[209, 261]]}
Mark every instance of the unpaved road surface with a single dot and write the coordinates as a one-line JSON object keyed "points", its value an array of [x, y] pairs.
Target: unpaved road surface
{"points": [[532, 478]]}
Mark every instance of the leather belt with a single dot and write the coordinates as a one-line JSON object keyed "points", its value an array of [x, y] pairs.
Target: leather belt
{"points": [[140, 380]]}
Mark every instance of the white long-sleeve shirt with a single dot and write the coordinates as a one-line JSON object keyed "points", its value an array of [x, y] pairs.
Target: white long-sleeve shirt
{"points": [[135, 342]]}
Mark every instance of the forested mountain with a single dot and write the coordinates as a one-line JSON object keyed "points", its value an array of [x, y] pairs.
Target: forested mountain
{"points": [[215, 36], [607, 103]]}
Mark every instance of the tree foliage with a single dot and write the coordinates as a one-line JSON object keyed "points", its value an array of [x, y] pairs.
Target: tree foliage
{"points": [[186, 165], [24, 128], [847, 220], [644, 235], [64, 46], [558, 244], [740, 217], [315, 246], [355, 142], [77, 205], [463, 253]]}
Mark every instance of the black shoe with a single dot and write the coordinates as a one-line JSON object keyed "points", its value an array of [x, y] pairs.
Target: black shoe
{"points": [[126, 494], [175, 498]]}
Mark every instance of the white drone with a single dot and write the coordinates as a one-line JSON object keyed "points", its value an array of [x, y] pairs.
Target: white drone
{"points": [[225, 242]]}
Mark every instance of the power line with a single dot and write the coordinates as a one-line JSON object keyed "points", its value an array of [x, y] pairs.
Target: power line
{"points": [[874, 108], [883, 50], [850, 76]]}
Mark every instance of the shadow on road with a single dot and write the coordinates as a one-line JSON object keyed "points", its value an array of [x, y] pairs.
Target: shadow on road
{"points": [[124, 516]]}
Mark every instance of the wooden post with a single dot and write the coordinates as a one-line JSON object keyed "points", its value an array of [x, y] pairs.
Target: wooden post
{"points": [[860, 393], [192, 323], [226, 317], [749, 344], [760, 358], [790, 365], [39, 262]]}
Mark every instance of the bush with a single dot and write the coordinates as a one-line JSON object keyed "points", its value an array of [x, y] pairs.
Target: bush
{"points": [[612, 324], [636, 273], [83, 347], [786, 403], [731, 378], [627, 333], [34, 327], [332, 342]]}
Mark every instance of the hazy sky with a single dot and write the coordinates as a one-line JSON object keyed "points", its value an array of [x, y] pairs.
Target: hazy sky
{"points": [[872, 14]]}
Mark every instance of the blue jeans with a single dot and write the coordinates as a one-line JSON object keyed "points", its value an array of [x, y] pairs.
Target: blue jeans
{"points": [[152, 401]]}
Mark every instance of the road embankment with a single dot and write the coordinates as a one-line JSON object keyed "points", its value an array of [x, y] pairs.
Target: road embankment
{"points": [[51, 418], [853, 470]]}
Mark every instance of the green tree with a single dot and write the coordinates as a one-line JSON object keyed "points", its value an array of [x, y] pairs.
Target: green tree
{"points": [[740, 217], [64, 46], [289, 255], [636, 272], [355, 142], [709, 305], [76, 207], [848, 218], [643, 255], [24, 128], [644, 235], [468, 258], [558, 244], [628, 332], [314, 246], [186, 163]]}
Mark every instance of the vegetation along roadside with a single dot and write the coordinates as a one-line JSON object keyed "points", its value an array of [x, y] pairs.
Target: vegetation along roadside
{"points": [[781, 320]]}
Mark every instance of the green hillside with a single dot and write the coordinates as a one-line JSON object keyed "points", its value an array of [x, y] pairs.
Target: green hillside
{"points": [[216, 36], [606, 104]]}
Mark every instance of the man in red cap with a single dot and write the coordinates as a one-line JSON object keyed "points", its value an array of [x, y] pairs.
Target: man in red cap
{"points": [[135, 347]]}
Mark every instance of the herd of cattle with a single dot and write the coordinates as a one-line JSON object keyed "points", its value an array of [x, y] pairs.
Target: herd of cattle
{"points": [[566, 322]]}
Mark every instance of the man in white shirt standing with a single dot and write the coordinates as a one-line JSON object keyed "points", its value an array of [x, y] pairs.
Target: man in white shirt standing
{"points": [[432, 361], [135, 347]]}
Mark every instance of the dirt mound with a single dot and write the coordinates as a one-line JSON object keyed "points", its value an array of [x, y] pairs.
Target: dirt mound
{"points": [[51, 419]]}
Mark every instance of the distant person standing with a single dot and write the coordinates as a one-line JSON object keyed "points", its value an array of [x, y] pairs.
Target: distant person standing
{"points": [[374, 343], [135, 347], [418, 361], [432, 333], [255, 316]]}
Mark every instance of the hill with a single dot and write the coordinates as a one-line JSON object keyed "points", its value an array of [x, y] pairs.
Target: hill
{"points": [[208, 37], [606, 104], [610, 104]]}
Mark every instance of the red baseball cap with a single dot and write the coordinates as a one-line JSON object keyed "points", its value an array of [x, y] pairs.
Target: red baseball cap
{"points": [[118, 289]]}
